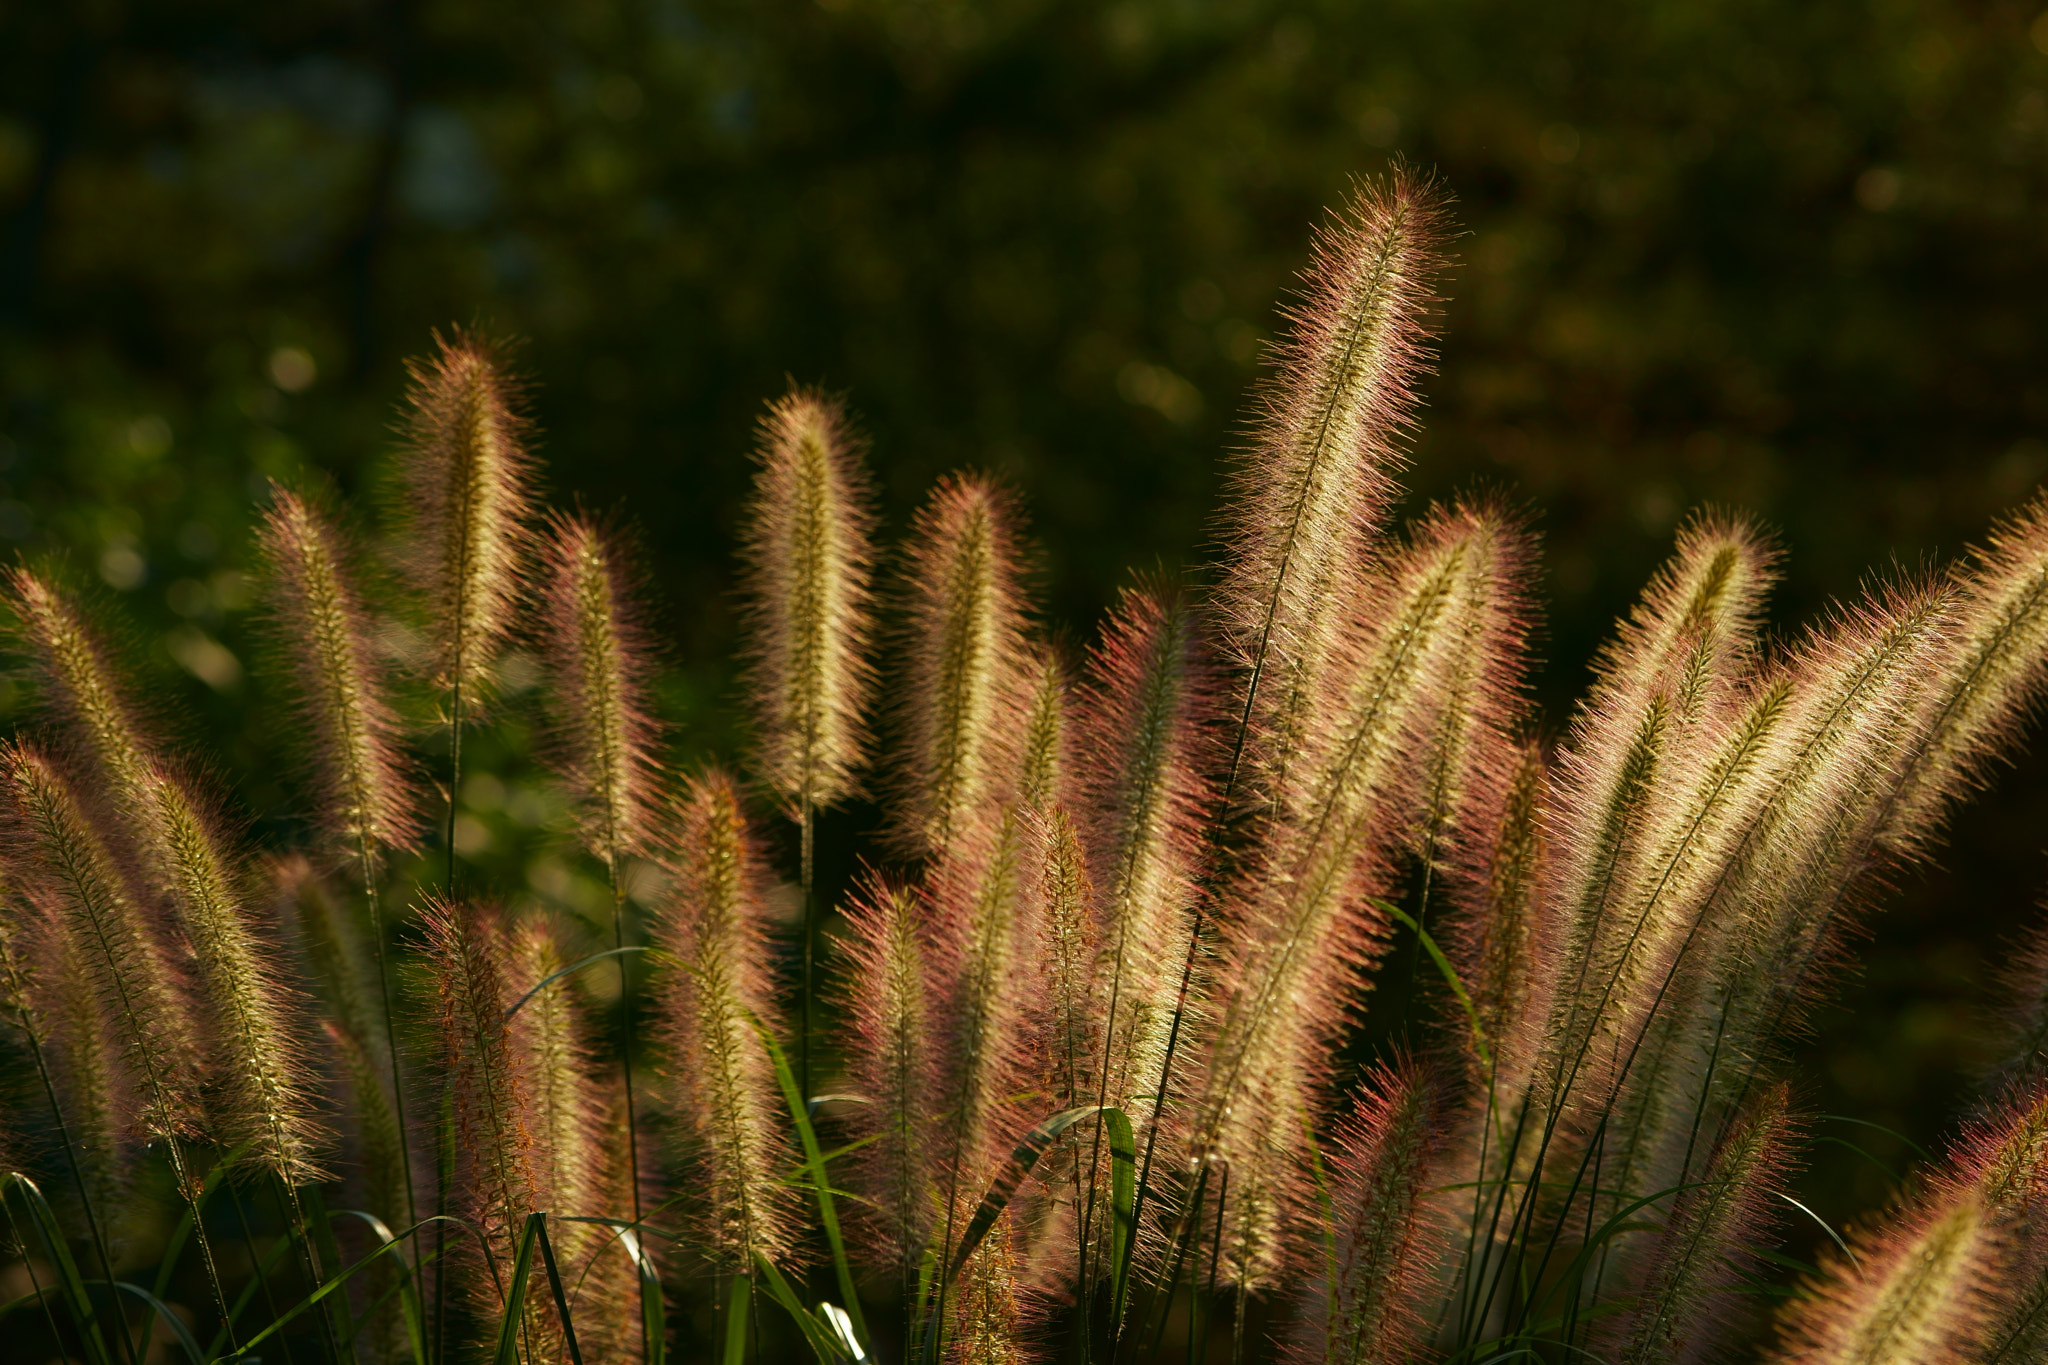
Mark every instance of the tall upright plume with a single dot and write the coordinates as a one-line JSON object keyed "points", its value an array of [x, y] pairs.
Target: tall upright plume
{"points": [[886, 1038], [1315, 480], [348, 734], [723, 1084], [808, 558], [596, 652], [962, 696], [464, 501]]}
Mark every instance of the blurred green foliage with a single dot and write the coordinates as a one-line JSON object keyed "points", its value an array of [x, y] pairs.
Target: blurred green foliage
{"points": [[1786, 256]]}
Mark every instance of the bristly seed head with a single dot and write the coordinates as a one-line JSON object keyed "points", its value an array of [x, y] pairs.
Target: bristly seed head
{"points": [[960, 717], [348, 732], [808, 557], [597, 656], [465, 499]]}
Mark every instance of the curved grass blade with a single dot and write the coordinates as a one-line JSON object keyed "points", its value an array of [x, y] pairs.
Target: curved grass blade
{"points": [[408, 1289], [653, 1311], [826, 1338], [341, 1279], [248, 1294], [164, 1313], [1918, 1150], [70, 1286], [569, 970], [814, 1161], [1123, 1190], [1450, 975]]}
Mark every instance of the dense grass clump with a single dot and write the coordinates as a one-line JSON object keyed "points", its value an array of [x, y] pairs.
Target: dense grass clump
{"points": [[1061, 1073]]}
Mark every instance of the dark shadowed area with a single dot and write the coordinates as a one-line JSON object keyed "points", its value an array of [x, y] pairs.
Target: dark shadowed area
{"points": [[1788, 258]]}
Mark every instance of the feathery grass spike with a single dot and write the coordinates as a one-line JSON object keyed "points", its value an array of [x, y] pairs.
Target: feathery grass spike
{"points": [[959, 716], [596, 652], [262, 1094], [1302, 923], [495, 1182], [1316, 476], [1708, 1243], [887, 1042], [808, 559], [1388, 1227], [349, 734], [713, 1002], [465, 502]]}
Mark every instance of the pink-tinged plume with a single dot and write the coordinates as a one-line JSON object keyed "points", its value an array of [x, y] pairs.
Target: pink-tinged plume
{"points": [[464, 503], [1389, 1220], [347, 733], [961, 716], [808, 558], [1314, 481], [713, 1003], [597, 655], [1302, 929]]}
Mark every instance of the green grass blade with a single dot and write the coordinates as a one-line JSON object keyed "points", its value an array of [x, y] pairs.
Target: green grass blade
{"points": [[515, 1293], [70, 1285], [547, 1261], [824, 1340], [1450, 975], [1123, 1191], [814, 1160], [569, 970], [409, 1305], [248, 1294], [164, 1314], [336, 1282], [1000, 1191], [736, 1306]]}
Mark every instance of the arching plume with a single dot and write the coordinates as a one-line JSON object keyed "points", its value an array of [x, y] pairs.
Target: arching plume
{"points": [[1315, 480], [886, 1039], [348, 736], [597, 657], [1388, 1221], [1301, 926], [464, 503], [963, 689], [1991, 681], [1708, 1243], [808, 558], [723, 1088], [1939, 1280], [109, 936], [261, 1093]]}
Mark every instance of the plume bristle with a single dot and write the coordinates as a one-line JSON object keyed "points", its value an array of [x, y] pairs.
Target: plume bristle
{"points": [[724, 1089], [1316, 477], [465, 503], [347, 731], [596, 651], [887, 1042], [960, 715], [808, 558]]}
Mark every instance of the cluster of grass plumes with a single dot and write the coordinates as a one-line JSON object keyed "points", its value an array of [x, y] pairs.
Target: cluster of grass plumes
{"points": [[1068, 1069]]}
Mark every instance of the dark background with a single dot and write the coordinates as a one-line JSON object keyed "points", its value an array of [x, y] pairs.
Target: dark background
{"points": [[1788, 257]]}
